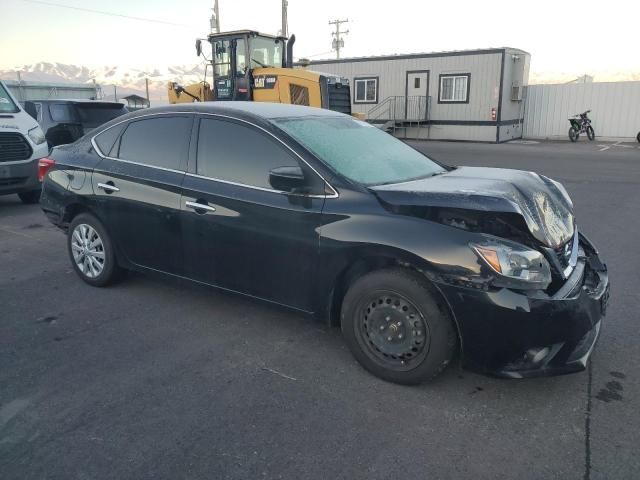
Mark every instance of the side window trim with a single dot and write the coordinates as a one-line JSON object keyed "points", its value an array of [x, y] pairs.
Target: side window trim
{"points": [[333, 192], [201, 115]]}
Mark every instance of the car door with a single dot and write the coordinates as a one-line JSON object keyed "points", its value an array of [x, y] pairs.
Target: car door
{"points": [[247, 236], [137, 185]]}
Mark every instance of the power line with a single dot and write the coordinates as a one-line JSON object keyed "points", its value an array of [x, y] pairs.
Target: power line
{"points": [[111, 14]]}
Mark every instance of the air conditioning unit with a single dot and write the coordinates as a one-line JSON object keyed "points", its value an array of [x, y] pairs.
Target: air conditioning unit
{"points": [[516, 92]]}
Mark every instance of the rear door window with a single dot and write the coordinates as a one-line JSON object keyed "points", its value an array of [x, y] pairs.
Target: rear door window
{"points": [[93, 115], [63, 113], [239, 153], [107, 139], [158, 142]]}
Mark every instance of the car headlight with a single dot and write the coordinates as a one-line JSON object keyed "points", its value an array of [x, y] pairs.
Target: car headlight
{"points": [[515, 265], [37, 135]]}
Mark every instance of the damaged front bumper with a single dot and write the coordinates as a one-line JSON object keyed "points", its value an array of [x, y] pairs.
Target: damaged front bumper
{"points": [[517, 334]]}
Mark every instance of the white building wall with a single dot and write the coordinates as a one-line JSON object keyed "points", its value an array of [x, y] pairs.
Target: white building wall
{"points": [[484, 85], [28, 90], [614, 109]]}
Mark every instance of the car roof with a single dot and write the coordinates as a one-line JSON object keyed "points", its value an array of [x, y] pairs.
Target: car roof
{"points": [[263, 110], [75, 101]]}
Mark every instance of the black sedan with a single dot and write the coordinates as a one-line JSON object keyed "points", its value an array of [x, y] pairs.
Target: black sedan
{"points": [[415, 260]]}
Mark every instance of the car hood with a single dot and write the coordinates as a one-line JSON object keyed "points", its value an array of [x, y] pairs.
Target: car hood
{"points": [[546, 209]]}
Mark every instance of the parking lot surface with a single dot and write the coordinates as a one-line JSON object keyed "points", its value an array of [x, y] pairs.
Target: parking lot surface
{"points": [[158, 379]]}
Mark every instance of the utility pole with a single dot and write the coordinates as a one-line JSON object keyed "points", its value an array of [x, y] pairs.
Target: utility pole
{"points": [[285, 26], [146, 82], [215, 18], [115, 92], [338, 42]]}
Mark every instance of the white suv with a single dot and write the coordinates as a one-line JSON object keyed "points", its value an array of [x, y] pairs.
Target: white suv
{"points": [[22, 144]]}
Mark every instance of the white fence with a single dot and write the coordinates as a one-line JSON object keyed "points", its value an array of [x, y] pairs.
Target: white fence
{"points": [[615, 109]]}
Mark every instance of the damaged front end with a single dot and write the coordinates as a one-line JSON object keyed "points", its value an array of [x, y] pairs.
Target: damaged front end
{"points": [[532, 304]]}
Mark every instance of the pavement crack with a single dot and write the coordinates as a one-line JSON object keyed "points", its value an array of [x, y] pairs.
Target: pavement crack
{"points": [[275, 372]]}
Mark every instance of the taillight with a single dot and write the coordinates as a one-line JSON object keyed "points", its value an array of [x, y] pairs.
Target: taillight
{"points": [[44, 165]]}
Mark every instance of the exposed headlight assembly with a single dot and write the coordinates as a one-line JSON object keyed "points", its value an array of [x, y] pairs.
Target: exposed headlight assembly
{"points": [[37, 135], [516, 266]]}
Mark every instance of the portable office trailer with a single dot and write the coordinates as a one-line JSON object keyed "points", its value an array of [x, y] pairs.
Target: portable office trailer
{"points": [[473, 95]]}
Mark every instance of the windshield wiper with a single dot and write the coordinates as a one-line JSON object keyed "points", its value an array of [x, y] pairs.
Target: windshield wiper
{"points": [[260, 63]]}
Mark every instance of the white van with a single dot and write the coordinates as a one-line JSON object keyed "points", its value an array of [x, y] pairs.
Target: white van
{"points": [[22, 144]]}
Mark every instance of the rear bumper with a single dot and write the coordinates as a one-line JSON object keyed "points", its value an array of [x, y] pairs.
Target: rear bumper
{"points": [[19, 177], [22, 176], [514, 334]]}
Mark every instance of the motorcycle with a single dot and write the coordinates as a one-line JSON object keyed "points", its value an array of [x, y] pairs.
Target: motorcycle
{"points": [[581, 123]]}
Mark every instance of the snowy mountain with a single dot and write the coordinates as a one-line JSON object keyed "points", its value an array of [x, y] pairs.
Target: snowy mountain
{"points": [[127, 80], [132, 80]]}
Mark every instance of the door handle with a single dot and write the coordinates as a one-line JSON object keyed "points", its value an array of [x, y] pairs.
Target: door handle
{"points": [[200, 206], [108, 187]]}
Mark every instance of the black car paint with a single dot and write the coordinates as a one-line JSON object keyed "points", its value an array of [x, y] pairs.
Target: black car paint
{"points": [[302, 251]]}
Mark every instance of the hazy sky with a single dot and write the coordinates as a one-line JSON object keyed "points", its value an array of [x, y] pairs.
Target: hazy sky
{"points": [[582, 36]]}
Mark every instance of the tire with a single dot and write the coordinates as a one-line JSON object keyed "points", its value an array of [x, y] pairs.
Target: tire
{"points": [[395, 327], [31, 197], [591, 134], [94, 262], [638, 137], [573, 134]]}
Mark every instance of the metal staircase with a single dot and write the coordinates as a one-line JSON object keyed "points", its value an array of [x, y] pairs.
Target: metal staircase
{"points": [[402, 116]]}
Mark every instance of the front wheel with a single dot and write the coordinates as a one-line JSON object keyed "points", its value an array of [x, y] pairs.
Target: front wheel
{"points": [[591, 135], [91, 251], [395, 327], [31, 197], [573, 134]]}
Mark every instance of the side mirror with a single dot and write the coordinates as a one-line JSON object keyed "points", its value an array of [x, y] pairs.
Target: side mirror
{"points": [[198, 47], [287, 179]]}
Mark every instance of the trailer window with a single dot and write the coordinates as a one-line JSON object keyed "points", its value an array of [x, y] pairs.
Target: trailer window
{"points": [[366, 90], [454, 88]]}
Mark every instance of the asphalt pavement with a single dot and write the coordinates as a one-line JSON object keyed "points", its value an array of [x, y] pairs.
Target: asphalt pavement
{"points": [[159, 379]]}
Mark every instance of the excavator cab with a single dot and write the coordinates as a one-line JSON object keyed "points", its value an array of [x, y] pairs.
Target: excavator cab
{"points": [[234, 56], [253, 66]]}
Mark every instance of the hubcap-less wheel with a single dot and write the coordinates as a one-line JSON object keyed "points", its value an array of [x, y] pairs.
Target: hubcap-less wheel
{"points": [[88, 250], [393, 331]]}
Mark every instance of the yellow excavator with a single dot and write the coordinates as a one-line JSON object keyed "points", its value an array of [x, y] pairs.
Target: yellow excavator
{"points": [[252, 66]]}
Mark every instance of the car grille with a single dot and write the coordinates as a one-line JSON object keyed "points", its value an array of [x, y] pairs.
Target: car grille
{"points": [[14, 147]]}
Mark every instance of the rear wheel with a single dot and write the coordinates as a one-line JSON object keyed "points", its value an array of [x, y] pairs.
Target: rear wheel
{"points": [[91, 251], [591, 134], [395, 328], [30, 197], [573, 134]]}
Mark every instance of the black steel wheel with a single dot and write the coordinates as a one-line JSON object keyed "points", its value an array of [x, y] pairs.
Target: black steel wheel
{"points": [[395, 328], [591, 134], [573, 134]]}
